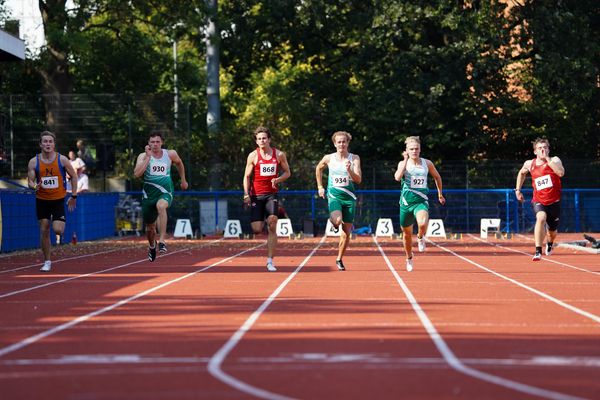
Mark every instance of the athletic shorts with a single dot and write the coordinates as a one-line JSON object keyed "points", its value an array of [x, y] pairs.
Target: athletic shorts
{"points": [[50, 209], [149, 210], [552, 214], [408, 214], [262, 206], [347, 207]]}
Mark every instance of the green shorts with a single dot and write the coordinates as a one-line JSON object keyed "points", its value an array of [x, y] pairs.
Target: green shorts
{"points": [[149, 211], [408, 213], [347, 207]]}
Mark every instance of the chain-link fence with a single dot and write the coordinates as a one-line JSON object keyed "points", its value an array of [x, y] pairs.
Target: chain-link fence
{"points": [[115, 130]]}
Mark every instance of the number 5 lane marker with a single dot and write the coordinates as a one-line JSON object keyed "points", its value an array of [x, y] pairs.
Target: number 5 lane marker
{"points": [[453, 361]]}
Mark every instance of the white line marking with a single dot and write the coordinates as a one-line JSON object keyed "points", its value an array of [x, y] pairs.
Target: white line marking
{"points": [[86, 275], [214, 365], [32, 339], [544, 258], [57, 261], [301, 359], [29, 289], [454, 361], [561, 303]]}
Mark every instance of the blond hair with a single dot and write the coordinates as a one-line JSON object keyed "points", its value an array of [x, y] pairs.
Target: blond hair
{"points": [[412, 139], [341, 133]]}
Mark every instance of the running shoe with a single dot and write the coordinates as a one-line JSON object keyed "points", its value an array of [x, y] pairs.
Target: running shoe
{"points": [[421, 243], [340, 265], [537, 256], [47, 266], [162, 248], [409, 264], [549, 249], [271, 267], [152, 253]]}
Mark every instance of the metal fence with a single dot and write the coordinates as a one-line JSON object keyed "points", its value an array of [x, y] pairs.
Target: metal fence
{"points": [[115, 128], [107, 214]]}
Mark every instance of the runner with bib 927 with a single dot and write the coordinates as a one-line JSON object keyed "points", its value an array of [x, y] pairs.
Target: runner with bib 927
{"points": [[414, 203]]}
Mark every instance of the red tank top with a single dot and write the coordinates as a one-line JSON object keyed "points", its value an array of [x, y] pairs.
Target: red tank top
{"points": [[546, 184], [264, 171], [51, 178]]}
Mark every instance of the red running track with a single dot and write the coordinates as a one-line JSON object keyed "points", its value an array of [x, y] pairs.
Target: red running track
{"points": [[474, 320]]}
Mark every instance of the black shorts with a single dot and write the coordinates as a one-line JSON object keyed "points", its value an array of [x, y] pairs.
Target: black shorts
{"points": [[50, 209], [264, 205], [552, 214]]}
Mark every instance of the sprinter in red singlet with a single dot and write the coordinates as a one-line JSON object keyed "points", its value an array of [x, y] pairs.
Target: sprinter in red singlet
{"points": [[545, 173], [46, 175], [266, 167]]}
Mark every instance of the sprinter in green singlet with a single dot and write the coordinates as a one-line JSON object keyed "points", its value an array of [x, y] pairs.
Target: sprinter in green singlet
{"points": [[344, 173], [157, 193], [412, 172]]}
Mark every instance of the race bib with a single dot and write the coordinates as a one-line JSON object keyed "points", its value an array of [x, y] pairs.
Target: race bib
{"points": [[267, 169], [340, 180], [50, 182], [418, 182], [158, 169], [543, 182]]}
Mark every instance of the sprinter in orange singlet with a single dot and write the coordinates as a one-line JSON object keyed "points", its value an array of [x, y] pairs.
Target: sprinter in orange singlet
{"points": [[46, 174]]}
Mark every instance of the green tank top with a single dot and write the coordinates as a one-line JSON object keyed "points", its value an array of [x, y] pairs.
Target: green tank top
{"points": [[339, 182], [414, 183], [157, 177]]}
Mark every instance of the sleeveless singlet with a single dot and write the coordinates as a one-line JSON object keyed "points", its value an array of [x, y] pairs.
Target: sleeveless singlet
{"points": [[339, 182], [52, 178], [414, 183], [546, 184], [264, 171], [157, 177]]}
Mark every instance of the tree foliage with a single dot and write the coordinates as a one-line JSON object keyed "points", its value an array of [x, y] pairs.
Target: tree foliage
{"points": [[476, 80]]}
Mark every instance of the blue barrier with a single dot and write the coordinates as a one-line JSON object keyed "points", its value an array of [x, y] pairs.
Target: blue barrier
{"points": [[94, 218], [464, 209]]}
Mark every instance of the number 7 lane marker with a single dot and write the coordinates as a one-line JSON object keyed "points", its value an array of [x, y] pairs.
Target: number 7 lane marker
{"points": [[35, 338], [214, 365], [449, 356]]}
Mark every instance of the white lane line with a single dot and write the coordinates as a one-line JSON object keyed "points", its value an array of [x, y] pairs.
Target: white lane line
{"points": [[58, 261], [214, 365], [300, 359], [29, 289], [561, 303], [32, 339], [454, 362], [544, 258]]}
